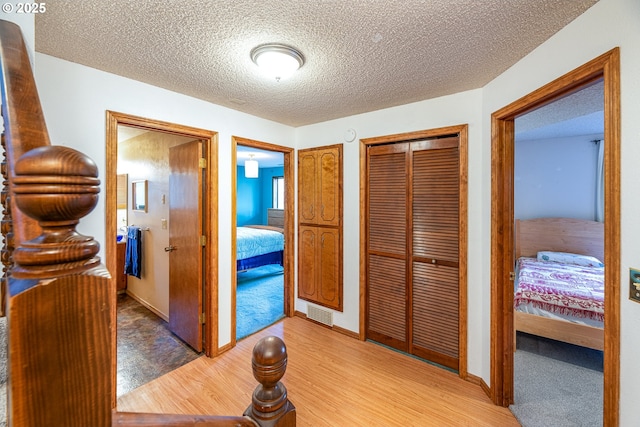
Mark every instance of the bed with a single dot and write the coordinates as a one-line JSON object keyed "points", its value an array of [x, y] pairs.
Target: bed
{"points": [[573, 310], [258, 245]]}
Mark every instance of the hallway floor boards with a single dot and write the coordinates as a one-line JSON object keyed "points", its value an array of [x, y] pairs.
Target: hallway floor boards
{"points": [[332, 379]]}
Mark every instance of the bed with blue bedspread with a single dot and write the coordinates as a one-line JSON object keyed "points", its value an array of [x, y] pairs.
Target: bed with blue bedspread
{"points": [[258, 245]]}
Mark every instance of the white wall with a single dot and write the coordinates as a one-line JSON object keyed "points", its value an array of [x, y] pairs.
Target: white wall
{"points": [[461, 108], [556, 177], [75, 98], [609, 23], [26, 23]]}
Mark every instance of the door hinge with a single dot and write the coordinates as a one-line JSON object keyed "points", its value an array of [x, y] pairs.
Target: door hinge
{"points": [[512, 276], [202, 162], [202, 318], [203, 240]]}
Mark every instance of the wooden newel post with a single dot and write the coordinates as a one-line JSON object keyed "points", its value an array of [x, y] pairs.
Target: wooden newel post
{"points": [[270, 405], [59, 305], [56, 186]]}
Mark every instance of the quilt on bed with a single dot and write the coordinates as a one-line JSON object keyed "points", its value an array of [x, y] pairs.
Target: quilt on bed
{"points": [[251, 242], [559, 288]]}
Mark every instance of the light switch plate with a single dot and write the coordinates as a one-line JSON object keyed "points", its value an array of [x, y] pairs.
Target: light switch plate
{"points": [[634, 285]]}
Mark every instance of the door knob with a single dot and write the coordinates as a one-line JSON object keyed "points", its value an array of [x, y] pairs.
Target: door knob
{"points": [[170, 248]]}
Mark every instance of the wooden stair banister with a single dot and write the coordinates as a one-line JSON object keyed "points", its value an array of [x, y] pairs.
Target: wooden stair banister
{"points": [[60, 297], [24, 129]]}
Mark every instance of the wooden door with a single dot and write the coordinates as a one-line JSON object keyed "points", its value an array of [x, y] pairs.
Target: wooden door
{"points": [[327, 191], [307, 270], [320, 226], [185, 246], [328, 258], [320, 269], [307, 178], [434, 251], [387, 245], [412, 252], [319, 186]]}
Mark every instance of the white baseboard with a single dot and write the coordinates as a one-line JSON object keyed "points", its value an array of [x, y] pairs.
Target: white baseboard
{"points": [[149, 306]]}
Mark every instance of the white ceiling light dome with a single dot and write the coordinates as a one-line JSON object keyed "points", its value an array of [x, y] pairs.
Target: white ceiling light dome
{"points": [[251, 167], [278, 61]]}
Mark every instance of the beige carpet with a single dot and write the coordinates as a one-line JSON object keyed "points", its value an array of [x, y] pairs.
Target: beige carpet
{"points": [[557, 384]]}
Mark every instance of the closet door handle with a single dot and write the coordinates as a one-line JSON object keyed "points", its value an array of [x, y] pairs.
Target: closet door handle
{"points": [[170, 248]]}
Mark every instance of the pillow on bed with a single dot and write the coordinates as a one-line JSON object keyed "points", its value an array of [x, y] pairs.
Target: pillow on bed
{"points": [[568, 258]]}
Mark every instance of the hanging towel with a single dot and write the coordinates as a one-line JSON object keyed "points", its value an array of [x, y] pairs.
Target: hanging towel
{"points": [[133, 258]]}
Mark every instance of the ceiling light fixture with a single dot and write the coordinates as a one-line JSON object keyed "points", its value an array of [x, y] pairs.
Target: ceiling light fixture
{"points": [[278, 61], [251, 167]]}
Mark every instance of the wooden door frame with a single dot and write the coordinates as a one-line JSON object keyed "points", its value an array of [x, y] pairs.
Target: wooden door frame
{"points": [[607, 68], [463, 132], [289, 246], [210, 221]]}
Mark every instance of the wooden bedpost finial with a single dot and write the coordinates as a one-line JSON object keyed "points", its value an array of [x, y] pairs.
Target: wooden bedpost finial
{"points": [[57, 186], [270, 406]]}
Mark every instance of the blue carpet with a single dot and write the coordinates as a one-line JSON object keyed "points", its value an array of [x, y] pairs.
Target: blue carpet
{"points": [[259, 299]]}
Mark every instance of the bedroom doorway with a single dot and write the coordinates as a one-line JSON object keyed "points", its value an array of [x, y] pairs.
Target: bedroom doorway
{"points": [[557, 159], [605, 67], [262, 286]]}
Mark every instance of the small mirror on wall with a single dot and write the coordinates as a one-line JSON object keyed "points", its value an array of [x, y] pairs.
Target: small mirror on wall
{"points": [[139, 195]]}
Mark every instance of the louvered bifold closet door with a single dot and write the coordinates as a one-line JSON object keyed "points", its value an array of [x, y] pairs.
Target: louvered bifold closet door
{"points": [[387, 245], [434, 271]]}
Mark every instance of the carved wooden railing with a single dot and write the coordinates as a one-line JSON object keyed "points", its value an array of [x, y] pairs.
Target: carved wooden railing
{"points": [[60, 298]]}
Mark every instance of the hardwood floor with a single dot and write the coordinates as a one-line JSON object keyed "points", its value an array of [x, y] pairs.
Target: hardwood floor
{"points": [[332, 379]]}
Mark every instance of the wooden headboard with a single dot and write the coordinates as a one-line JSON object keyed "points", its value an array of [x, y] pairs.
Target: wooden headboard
{"points": [[559, 234]]}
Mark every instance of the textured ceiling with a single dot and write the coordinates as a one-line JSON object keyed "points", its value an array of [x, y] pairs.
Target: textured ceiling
{"points": [[361, 55], [580, 113]]}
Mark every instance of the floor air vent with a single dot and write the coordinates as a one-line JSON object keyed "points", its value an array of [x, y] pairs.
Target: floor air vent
{"points": [[320, 315]]}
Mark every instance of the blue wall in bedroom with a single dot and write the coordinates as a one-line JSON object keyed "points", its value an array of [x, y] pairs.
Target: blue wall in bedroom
{"points": [[254, 195]]}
